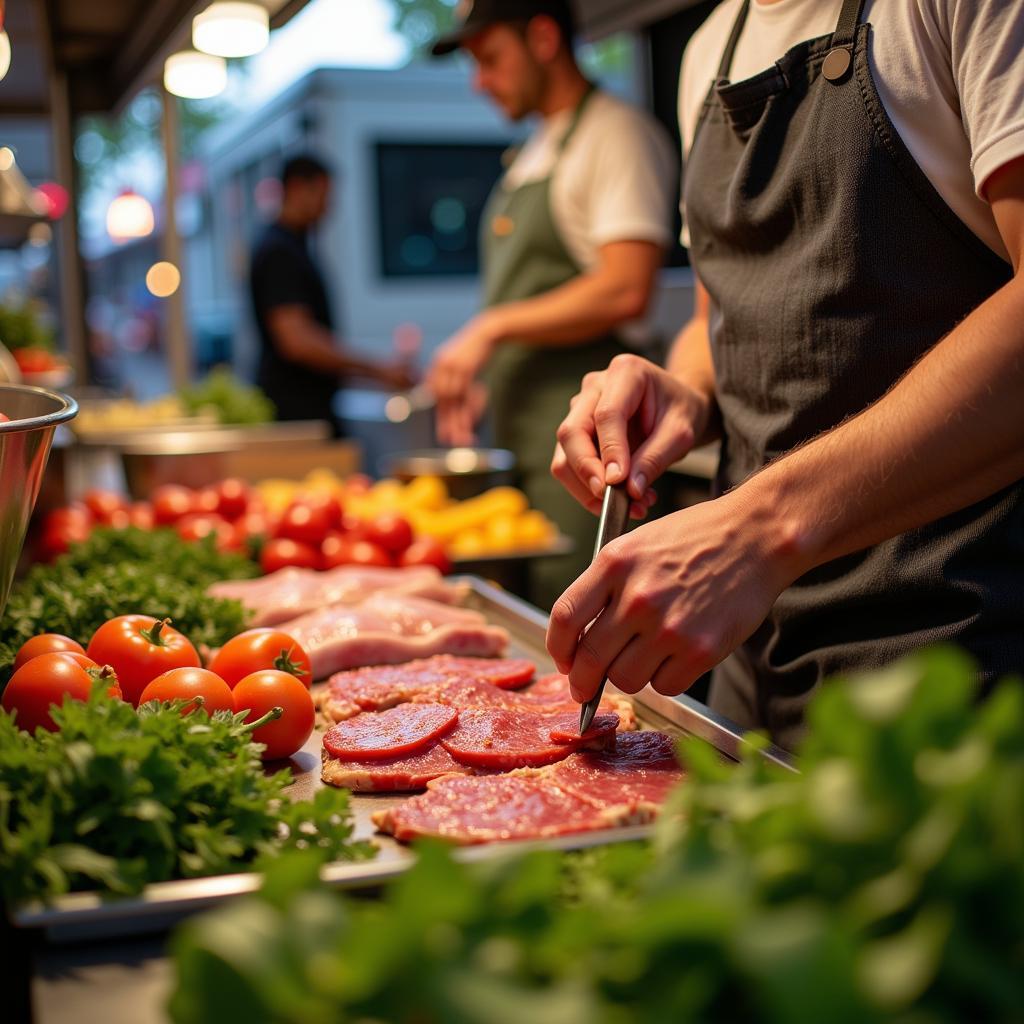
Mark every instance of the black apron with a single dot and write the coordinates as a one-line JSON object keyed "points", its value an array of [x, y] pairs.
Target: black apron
{"points": [[833, 265]]}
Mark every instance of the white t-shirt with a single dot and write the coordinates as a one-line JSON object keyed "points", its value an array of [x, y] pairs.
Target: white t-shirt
{"points": [[950, 74], [615, 182]]}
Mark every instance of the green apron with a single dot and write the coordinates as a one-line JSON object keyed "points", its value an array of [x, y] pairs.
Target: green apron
{"points": [[531, 385]]}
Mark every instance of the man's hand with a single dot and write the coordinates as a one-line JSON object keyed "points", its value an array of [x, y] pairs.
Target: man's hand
{"points": [[632, 401], [671, 599], [456, 419], [460, 359], [398, 376]]}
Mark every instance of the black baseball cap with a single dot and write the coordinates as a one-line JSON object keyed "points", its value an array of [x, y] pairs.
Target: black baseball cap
{"points": [[476, 15]]}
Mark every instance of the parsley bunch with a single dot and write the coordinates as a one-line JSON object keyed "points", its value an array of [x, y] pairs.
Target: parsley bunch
{"points": [[117, 799], [884, 883], [123, 572]]}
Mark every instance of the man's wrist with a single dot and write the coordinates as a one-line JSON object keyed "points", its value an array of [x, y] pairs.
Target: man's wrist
{"points": [[493, 326]]}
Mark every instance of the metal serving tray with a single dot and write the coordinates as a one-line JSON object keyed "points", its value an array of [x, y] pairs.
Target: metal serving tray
{"points": [[87, 915]]}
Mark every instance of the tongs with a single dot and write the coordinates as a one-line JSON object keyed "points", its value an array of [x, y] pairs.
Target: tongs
{"points": [[613, 523]]}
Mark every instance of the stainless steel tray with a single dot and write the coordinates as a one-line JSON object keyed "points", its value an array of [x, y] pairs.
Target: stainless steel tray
{"points": [[87, 915]]}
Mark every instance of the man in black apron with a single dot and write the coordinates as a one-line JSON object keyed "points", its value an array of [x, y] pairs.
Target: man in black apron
{"points": [[859, 341], [550, 319]]}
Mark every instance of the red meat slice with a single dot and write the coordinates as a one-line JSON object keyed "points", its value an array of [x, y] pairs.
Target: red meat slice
{"points": [[483, 810], [505, 673], [637, 775], [503, 739], [393, 733], [380, 687], [393, 774], [566, 728]]}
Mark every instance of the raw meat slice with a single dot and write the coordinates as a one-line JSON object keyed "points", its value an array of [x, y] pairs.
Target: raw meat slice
{"points": [[503, 739], [380, 632], [393, 774], [566, 728], [384, 686], [505, 673], [482, 810], [638, 774], [379, 688], [394, 733], [548, 696], [288, 593]]}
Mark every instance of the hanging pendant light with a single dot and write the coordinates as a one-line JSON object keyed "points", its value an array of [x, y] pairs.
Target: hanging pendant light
{"points": [[5, 53], [129, 216], [231, 29], [195, 76]]}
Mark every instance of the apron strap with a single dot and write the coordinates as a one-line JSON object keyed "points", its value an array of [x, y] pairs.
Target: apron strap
{"points": [[734, 37], [577, 116], [849, 19], [840, 58]]}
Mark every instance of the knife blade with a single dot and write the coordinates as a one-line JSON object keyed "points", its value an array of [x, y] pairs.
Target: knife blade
{"points": [[613, 523]]}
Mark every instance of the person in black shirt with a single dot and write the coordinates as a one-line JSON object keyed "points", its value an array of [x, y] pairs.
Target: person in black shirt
{"points": [[301, 363]]}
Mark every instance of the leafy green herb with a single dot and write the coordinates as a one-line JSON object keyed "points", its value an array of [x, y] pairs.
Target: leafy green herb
{"points": [[118, 798], [883, 883], [233, 401], [121, 572]]}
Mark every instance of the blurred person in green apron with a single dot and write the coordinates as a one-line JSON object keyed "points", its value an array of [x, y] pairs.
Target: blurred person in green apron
{"points": [[572, 241]]}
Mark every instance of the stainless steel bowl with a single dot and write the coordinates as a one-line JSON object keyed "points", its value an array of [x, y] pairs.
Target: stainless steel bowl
{"points": [[466, 471], [35, 414]]}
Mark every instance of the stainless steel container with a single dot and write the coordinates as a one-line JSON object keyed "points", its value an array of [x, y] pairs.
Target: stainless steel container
{"points": [[466, 471], [25, 443]]}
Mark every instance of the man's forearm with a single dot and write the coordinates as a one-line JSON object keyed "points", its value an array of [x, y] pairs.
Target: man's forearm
{"points": [[950, 433], [689, 360], [315, 348]]}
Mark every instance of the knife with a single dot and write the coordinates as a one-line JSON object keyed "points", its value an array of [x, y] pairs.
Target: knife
{"points": [[613, 523]]}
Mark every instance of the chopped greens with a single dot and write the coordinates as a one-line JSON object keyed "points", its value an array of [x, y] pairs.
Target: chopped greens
{"points": [[120, 572], [118, 799]]}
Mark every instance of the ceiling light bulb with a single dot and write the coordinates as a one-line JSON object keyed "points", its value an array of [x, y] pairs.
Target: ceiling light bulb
{"points": [[195, 76], [231, 29]]}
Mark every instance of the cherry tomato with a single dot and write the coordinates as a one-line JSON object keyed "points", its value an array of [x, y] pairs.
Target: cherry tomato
{"points": [[258, 649], [45, 643], [358, 483], [390, 531], [71, 515], [281, 553], [343, 549], [56, 539], [141, 515], [170, 503], [41, 683], [139, 648], [353, 527], [426, 551], [191, 682], [205, 500], [335, 550], [329, 503], [104, 505], [233, 497], [4, 418], [197, 525], [364, 552], [261, 691], [304, 522]]}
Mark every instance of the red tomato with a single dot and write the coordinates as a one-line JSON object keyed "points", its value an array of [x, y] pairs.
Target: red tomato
{"points": [[56, 539], [139, 648], [170, 503], [71, 515], [281, 553], [258, 649], [358, 483], [426, 551], [4, 418], [353, 527], [233, 497], [197, 525], [364, 552], [104, 505], [335, 550], [86, 662], [258, 693], [40, 683], [45, 643], [304, 522], [191, 682], [141, 515], [254, 524], [343, 549], [205, 500], [390, 531], [330, 505]]}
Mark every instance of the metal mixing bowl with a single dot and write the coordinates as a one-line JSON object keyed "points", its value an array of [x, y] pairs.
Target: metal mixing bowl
{"points": [[466, 471], [35, 414]]}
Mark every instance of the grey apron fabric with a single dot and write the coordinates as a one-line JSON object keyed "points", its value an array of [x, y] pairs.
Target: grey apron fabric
{"points": [[530, 386], [833, 265]]}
